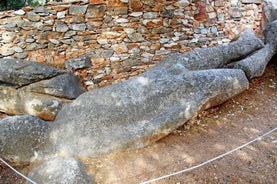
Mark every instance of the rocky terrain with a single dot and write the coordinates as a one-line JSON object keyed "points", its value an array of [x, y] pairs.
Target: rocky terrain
{"points": [[125, 116]]}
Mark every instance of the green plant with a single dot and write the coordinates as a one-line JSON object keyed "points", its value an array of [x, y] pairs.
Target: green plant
{"points": [[17, 4], [36, 2]]}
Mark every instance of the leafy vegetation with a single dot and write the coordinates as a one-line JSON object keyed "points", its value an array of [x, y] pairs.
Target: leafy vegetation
{"points": [[17, 4]]}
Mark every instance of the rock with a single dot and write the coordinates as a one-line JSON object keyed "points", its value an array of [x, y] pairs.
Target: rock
{"points": [[8, 99], [143, 109], [61, 170], [41, 106], [18, 49], [78, 63], [40, 9], [24, 101], [255, 64], [78, 27], [96, 11], [33, 17], [93, 2], [136, 14], [234, 51], [162, 52], [30, 40], [63, 86], [122, 20], [120, 48], [21, 55], [235, 12], [110, 34], [136, 5], [19, 73], [251, 1], [22, 138], [270, 10], [19, 12], [136, 37], [107, 53], [77, 9], [32, 47], [201, 14], [41, 89], [161, 30], [270, 33], [61, 15], [69, 34], [42, 99], [7, 51], [61, 27], [8, 36], [150, 15]]}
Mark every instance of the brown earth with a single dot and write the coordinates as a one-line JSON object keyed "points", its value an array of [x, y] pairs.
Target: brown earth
{"points": [[210, 134]]}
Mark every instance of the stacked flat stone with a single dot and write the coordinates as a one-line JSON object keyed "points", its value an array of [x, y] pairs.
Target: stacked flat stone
{"points": [[121, 38]]}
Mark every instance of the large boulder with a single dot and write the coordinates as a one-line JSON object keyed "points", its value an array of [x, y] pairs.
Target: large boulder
{"points": [[34, 88], [138, 112], [19, 73], [22, 138], [61, 170]]}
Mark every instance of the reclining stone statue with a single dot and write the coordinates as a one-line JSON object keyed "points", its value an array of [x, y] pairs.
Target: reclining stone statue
{"points": [[141, 110]]}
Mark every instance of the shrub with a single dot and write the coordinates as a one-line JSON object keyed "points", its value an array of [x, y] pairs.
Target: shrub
{"points": [[17, 4]]}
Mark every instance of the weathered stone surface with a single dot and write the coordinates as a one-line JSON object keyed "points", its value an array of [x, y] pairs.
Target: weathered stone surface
{"points": [[61, 170], [24, 101], [107, 53], [270, 33], [136, 5], [22, 138], [44, 107], [61, 27], [78, 27], [100, 24], [7, 51], [77, 9], [64, 86], [78, 63], [137, 112], [254, 65], [246, 44], [270, 10], [96, 11], [8, 36], [19, 73], [8, 99], [136, 37], [41, 89], [33, 17], [19, 12], [251, 1]]}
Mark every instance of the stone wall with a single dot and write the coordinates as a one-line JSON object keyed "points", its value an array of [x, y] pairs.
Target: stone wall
{"points": [[116, 39]]}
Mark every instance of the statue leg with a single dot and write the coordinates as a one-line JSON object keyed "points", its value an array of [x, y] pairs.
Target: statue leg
{"points": [[254, 65]]}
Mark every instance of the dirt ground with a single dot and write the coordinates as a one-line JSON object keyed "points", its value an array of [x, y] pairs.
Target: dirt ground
{"points": [[208, 135]]}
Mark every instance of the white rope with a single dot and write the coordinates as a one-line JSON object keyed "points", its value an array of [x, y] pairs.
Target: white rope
{"points": [[17, 172], [211, 160]]}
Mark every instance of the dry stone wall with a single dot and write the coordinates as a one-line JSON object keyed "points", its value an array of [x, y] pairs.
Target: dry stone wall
{"points": [[116, 39]]}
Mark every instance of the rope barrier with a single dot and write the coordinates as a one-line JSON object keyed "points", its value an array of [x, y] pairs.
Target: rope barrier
{"points": [[211, 160], [173, 174], [17, 172]]}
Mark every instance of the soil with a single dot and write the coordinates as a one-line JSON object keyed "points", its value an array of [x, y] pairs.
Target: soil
{"points": [[208, 135]]}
